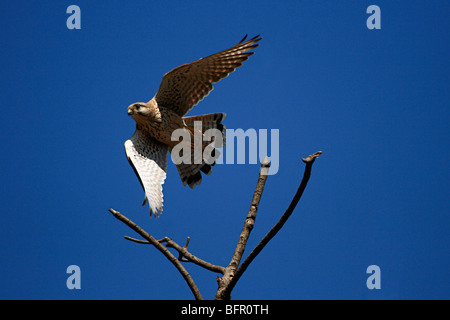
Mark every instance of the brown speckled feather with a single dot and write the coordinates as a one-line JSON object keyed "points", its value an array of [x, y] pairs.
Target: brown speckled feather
{"points": [[185, 86]]}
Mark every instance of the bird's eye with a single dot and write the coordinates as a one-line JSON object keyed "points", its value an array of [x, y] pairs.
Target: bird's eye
{"points": [[138, 106]]}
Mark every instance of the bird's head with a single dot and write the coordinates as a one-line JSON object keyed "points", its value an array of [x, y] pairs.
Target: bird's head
{"points": [[144, 112], [138, 109]]}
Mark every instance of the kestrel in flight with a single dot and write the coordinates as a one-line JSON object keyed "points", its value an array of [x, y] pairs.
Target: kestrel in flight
{"points": [[180, 90]]}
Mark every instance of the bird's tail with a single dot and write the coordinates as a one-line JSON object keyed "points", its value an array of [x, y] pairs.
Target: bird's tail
{"points": [[209, 140]]}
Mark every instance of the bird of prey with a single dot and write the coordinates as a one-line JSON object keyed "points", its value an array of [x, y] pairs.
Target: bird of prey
{"points": [[180, 90]]}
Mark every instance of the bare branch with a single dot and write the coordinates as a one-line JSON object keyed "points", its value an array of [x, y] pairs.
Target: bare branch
{"points": [[137, 240], [184, 254], [180, 256], [190, 257], [226, 292], [233, 272], [162, 249], [245, 234]]}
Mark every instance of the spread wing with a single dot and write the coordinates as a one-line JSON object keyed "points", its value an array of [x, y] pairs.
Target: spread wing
{"points": [[148, 158], [185, 86]]}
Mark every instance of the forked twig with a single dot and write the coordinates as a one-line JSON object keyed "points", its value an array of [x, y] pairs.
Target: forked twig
{"points": [[184, 254], [187, 277], [225, 292]]}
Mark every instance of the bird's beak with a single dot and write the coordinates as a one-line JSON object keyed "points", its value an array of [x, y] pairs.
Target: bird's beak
{"points": [[130, 112]]}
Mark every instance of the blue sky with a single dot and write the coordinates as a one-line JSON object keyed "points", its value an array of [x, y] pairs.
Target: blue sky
{"points": [[374, 101]]}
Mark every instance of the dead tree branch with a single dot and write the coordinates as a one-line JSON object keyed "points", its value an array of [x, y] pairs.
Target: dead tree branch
{"points": [[189, 257], [184, 254], [230, 270], [233, 272], [224, 292], [187, 277]]}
